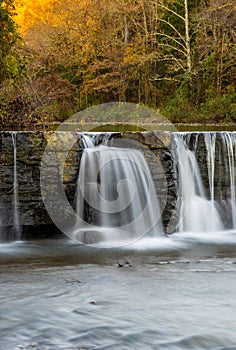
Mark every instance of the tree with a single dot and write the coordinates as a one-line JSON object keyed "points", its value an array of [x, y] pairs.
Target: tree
{"points": [[104, 47], [162, 53], [215, 47], [10, 62], [174, 38]]}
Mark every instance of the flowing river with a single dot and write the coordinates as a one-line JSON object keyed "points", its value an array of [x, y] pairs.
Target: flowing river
{"points": [[163, 292], [176, 293]]}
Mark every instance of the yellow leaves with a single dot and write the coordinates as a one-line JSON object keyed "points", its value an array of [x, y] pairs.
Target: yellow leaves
{"points": [[32, 13], [71, 14], [97, 44], [63, 25], [136, 54]]}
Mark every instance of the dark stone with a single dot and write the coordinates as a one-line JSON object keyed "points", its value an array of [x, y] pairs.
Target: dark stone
{"points": [[33, 215], [158, 148]]}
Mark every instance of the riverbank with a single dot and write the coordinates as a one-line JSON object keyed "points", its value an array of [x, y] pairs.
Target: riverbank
{"points": [[118, 127]]}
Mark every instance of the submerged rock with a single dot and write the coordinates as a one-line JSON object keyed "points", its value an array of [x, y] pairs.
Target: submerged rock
{"points": [[125, 264]]}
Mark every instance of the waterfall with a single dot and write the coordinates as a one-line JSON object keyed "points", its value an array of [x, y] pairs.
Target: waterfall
{"points": [[16, 220], [210, 141], [206, 163], [197, 213], [229, 143], [94, 139], [87, 142], [116, 198], [221, 162]]}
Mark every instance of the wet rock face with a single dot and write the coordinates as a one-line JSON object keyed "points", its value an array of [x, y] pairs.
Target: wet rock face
{"points": [[30, 146]]}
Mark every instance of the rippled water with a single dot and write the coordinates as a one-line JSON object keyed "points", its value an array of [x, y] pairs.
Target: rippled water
{"points": [[179, 293]]}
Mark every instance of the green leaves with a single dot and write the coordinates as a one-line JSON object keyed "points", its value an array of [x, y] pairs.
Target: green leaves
{"points": [[10, 62]]}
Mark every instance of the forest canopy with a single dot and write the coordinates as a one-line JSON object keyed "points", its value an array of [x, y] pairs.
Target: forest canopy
{"points": [[175, 56]]}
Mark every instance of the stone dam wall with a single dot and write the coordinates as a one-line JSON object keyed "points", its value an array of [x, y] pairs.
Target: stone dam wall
{"points": [[158, 148], [30, 149]]}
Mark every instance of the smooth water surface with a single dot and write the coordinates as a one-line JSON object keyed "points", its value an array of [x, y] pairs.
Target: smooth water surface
{"points": [[119, 127], [179, 293], [158, 126]]}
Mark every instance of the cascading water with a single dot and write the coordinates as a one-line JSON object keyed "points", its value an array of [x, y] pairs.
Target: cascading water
{"points": [[210, 142], [229, 142], [116, 198], [87, 142], [215, 153], [203, 161], [197, 213], [16, 220], [94, 138], [206, 178]]}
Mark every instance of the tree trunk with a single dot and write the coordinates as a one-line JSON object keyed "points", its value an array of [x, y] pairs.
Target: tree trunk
{"points": [[187, 39], [127, 34]]}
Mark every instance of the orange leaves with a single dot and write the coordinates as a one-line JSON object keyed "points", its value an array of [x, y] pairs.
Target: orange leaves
{"points": [[32, 13]]}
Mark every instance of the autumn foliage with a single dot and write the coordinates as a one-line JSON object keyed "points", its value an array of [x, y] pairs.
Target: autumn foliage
{"points": [[177, 56]]}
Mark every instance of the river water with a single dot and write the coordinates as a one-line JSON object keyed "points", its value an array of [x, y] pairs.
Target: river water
{"points": [[178, 293]]}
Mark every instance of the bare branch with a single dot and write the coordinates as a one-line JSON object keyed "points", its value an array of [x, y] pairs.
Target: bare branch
{"points": [[173, 27], [165, 79], [172, 11], [171, 38], [174, 48]]}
